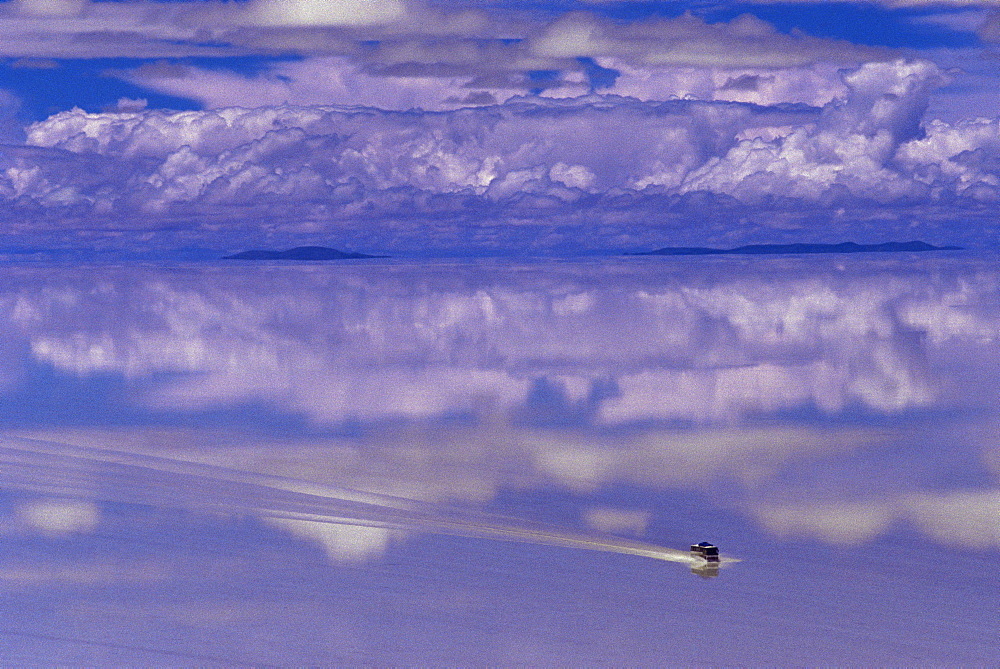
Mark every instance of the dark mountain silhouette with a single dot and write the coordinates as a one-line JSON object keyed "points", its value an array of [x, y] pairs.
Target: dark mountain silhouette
{"points": [[299, 253], [773, 249]]}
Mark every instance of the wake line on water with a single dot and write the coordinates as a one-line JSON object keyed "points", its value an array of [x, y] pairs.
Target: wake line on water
{"points": [[97, 474]]}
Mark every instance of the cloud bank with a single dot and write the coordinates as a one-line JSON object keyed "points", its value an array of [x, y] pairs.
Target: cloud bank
{"points": [[411, 126], [595, 170]]}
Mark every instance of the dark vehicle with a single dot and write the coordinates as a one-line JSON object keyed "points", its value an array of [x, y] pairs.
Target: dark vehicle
{"points": [[706, 551]]}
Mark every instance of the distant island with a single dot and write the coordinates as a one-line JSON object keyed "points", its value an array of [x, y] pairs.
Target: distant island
{"points": [[299, 253], [774, 249]]}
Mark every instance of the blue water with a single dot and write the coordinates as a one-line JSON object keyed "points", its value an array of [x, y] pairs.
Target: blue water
{"points": [[829, 420]]}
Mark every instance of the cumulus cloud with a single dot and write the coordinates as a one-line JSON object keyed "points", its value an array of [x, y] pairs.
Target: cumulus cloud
{"points": [[438, 60], [688, 40], [326, 13], [403, 54], [332, 80], [814, 84], [489, 130], [852, 146], [339, 80], [49, 9], [398, 32], [306, 170], [354, 159]]}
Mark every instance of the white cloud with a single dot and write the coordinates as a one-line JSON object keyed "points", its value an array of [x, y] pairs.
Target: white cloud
{"points": [[438, 56], [687, 147], [500, 173], [49, 9], [441, 61], [324, 12], [746, 41], [853, 145], [322, 80], [303, 153], [398, 32], [815, 84]]}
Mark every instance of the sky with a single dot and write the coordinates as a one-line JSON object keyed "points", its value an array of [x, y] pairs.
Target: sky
{"points": [[509, 127]]}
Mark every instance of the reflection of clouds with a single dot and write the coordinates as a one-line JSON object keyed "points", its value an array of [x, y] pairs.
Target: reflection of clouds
{"points": [[623, 521], [439, 463], [88, 574], [971, 518], [59, 516], [838, 522], [959, 313], [721, 394], [343, 543], [583, 375], [398, 341], [336, 395], [470, 466], [50, 516], [962, 518], [683, 458], [351, 525]]}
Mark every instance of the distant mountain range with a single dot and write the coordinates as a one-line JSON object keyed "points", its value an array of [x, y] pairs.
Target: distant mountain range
{"points": [[774, 249], [299, 253]]}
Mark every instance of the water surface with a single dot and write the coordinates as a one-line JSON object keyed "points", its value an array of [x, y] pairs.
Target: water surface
{"points": [[175, 440]]}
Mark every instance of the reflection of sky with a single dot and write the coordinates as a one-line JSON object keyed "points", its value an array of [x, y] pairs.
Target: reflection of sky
{"points": [[847, 404]]}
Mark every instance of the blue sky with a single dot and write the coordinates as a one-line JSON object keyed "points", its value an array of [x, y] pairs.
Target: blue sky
{"points": [[443, 128]]}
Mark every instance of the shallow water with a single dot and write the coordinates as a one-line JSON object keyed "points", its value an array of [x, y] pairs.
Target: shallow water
{"points": [[497, 443]]}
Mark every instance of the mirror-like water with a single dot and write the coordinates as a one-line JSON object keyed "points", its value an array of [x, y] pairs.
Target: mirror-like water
{"points": [[400, 462]]}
